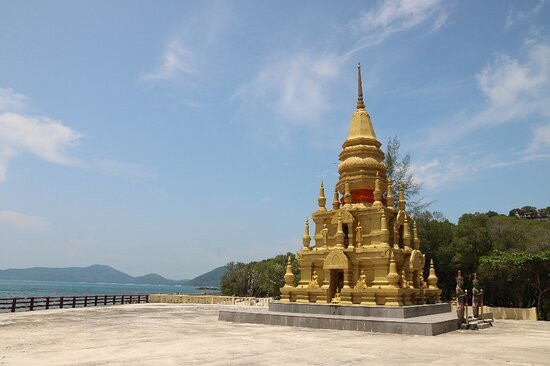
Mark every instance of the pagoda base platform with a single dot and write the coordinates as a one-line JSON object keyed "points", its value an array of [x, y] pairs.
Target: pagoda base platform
{"points": [[427, 320]]}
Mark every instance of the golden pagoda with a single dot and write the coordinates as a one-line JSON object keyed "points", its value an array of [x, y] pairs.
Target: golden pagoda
{"points": [[364, 251]]}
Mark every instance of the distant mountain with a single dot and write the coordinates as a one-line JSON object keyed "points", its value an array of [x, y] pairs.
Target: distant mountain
{"points": [[210, 279], [98, 273], [93, 274]]}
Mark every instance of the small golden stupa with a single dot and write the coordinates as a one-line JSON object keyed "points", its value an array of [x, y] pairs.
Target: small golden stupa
{"points": [[364, 250]]}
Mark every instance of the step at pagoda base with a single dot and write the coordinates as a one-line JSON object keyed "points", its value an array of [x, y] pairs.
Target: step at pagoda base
{"points": [[429, 325], [362, 310]]}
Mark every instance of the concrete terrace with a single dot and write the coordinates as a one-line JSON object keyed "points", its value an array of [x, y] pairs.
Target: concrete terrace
{"points": [[190, 334]]}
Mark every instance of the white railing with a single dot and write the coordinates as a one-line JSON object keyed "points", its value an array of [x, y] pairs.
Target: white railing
{"points": [[210, 299]]}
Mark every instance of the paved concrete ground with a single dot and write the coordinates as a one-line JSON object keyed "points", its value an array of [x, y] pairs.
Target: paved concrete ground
{"points": [[182, 334]]}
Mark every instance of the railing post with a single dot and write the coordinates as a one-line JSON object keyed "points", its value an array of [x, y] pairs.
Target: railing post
{"points": [[95, 300], [105, 300], [61, 302], [146, 298], [47, 303], [14, 304], [114, 299], [131, 296], [31, 304], [122, 301], [85, 301], [139, 299], [74, 301]]}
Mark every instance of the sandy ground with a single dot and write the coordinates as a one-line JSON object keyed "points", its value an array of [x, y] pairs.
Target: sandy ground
{"points": [[178, 334]]}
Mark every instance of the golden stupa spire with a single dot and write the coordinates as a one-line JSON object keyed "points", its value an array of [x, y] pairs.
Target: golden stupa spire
{"points": [[306, 239], [289, 275], [360, 103], [406, 235], [322, 200], [392, 277], [432, 278], [335, 201], [401, 201], [347, 194], [361, 156], [416, 239], [389, 196]]}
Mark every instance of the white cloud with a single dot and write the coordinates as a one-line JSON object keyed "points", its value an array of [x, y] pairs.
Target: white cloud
{"points": [[541, 139], [266, 199], [435, 174], [513, 91], [10, 100], [46, 138], [394, 16], [177, 60], [16, 220], [441, 173], [515, 17], [526, 158], [294, 87]]}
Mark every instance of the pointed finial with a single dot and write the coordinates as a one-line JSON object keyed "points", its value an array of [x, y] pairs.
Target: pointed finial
{"points": [[347, 194], [432, 278], [406, 235], [401, 197], [416, 240], [289, 275], [360, 103], [322, 200], [335, 201], [389, 198], [306, 239], [392, 276]]}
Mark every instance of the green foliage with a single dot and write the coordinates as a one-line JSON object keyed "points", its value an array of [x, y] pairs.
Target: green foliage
{"points": [[258, 279], [517, 279], [510, 255], [436, 236], [503, 250], [530, 212]]}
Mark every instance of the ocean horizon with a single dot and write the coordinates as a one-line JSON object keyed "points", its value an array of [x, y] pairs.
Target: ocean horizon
{"points": [[32, 288]]}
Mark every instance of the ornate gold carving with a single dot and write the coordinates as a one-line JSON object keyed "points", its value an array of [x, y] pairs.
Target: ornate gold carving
{"points": [[336, 259], [416, 261], [314, 283], [361, 282]]}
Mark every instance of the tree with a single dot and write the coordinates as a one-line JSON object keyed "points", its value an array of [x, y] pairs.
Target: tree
{"points": [[530, 212], [544, 213], [517, 279], [399, 171], [436, 235], [234, 280], [258, 279]]}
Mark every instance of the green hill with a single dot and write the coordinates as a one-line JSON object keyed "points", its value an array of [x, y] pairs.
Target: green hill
{"points": [[96, 273], [210, 279]]}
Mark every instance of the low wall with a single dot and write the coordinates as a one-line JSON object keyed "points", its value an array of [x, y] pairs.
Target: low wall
{"points": [[210, 299], [507, 313]]}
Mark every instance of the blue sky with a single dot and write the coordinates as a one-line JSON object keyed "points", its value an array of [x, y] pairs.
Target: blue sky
{"points": [[174, 137]]}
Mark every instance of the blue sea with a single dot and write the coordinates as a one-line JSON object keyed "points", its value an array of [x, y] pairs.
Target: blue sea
{"points": [[21, 288]]}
